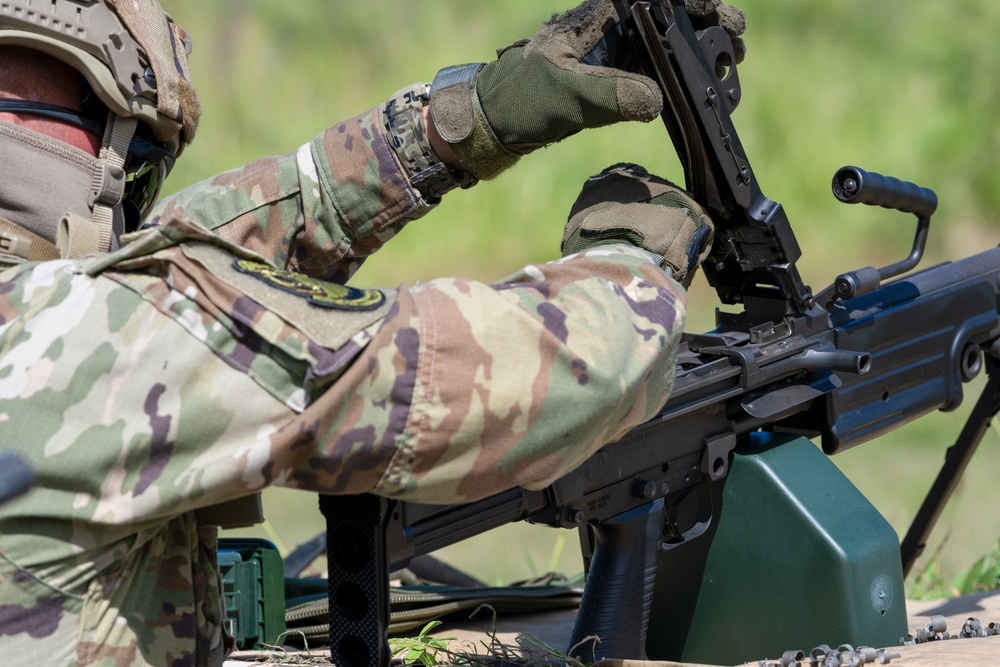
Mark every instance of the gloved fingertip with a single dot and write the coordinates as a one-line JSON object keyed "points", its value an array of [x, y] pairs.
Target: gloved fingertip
{"points": [[732, 19], [739, 49], [639, 98], [701, 7]]}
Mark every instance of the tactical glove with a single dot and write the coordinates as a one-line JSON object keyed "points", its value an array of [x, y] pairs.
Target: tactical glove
{"points": [[575, 73], [708, 13], [627, 204]]}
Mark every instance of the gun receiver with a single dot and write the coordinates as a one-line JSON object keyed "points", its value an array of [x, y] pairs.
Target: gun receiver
{"points": [[867, 355]]}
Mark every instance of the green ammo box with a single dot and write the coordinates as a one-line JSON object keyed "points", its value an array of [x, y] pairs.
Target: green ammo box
{"points": [[797, 557], [253, 584]]}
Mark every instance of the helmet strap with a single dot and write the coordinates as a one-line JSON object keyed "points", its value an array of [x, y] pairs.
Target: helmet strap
{"points": [[108, 180]]}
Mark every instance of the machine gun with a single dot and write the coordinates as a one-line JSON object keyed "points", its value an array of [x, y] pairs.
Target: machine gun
{"points": [[863, 357]]}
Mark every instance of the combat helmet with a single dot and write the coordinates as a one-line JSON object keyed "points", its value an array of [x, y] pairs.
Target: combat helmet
{"points": [[133, 57]]}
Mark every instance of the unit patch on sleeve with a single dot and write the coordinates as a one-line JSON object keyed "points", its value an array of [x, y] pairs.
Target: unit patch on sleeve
{"points": [[317, 292]]}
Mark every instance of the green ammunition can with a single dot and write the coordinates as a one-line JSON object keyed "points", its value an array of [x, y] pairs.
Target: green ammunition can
{"points": [[795, 557], [253, 586]]}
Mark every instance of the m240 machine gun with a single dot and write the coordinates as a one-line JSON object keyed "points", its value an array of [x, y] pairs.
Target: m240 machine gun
{"points": [[866, 355]]}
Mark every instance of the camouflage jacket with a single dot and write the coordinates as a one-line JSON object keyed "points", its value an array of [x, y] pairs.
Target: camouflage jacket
{"points": [[183, 370]]}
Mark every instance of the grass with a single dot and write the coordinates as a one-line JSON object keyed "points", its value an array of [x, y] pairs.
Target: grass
{"points": [[429, 650], [902, 88], [423, 648], [930, 583]]}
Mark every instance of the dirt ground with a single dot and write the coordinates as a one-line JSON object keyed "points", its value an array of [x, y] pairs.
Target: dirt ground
{"points": [[554, 627]]}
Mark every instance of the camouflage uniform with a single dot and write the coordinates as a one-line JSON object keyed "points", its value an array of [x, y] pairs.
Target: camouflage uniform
{"points": [[180, 372]]}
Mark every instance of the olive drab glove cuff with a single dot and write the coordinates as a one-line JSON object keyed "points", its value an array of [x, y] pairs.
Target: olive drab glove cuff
{"points": [[575, 73], [627, 204]]}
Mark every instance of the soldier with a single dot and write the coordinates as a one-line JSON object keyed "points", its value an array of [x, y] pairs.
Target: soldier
{"points": [[155, 363]]}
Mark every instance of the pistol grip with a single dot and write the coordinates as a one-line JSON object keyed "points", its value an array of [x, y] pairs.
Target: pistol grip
{"points": [[619, 590]]}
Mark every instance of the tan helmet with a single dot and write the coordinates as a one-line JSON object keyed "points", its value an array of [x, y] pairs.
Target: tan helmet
{"points": [[130, 52], [134, 58]]}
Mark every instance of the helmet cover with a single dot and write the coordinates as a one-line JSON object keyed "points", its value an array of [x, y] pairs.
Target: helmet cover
{"points": [[132, 54]]}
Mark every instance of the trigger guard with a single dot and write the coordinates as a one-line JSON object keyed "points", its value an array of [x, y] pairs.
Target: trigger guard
{"points": [[673, 538]]}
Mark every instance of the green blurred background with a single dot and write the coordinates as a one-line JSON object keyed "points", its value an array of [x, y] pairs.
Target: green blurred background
{"points": [[899, 87]]}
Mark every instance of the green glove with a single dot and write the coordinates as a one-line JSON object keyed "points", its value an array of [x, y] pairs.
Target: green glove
{"points": [[627, 204], [575, 73]]}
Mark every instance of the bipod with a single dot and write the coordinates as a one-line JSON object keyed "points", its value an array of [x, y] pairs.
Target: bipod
{"points": [[955, 461]]}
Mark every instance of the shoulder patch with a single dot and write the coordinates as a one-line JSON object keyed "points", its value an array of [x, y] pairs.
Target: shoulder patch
{"points": [[317, 292]]}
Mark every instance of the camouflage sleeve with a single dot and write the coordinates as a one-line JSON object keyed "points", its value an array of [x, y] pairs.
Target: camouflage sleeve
{"points": [[492, 387], [234, 379], [320, 210]]}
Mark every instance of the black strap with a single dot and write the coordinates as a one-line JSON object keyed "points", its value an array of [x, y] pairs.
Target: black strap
{"points": [[52, 111]]}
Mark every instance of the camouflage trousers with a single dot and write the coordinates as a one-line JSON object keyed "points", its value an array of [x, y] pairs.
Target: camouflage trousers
{"points": [[182, 372]]}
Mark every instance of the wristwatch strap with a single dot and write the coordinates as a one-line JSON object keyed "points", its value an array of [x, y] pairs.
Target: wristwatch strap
{"points": [[404, 126]]}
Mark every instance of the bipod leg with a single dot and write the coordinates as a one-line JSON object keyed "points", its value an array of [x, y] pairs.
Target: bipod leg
{"points": [[358, 574], [955, 461]]}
